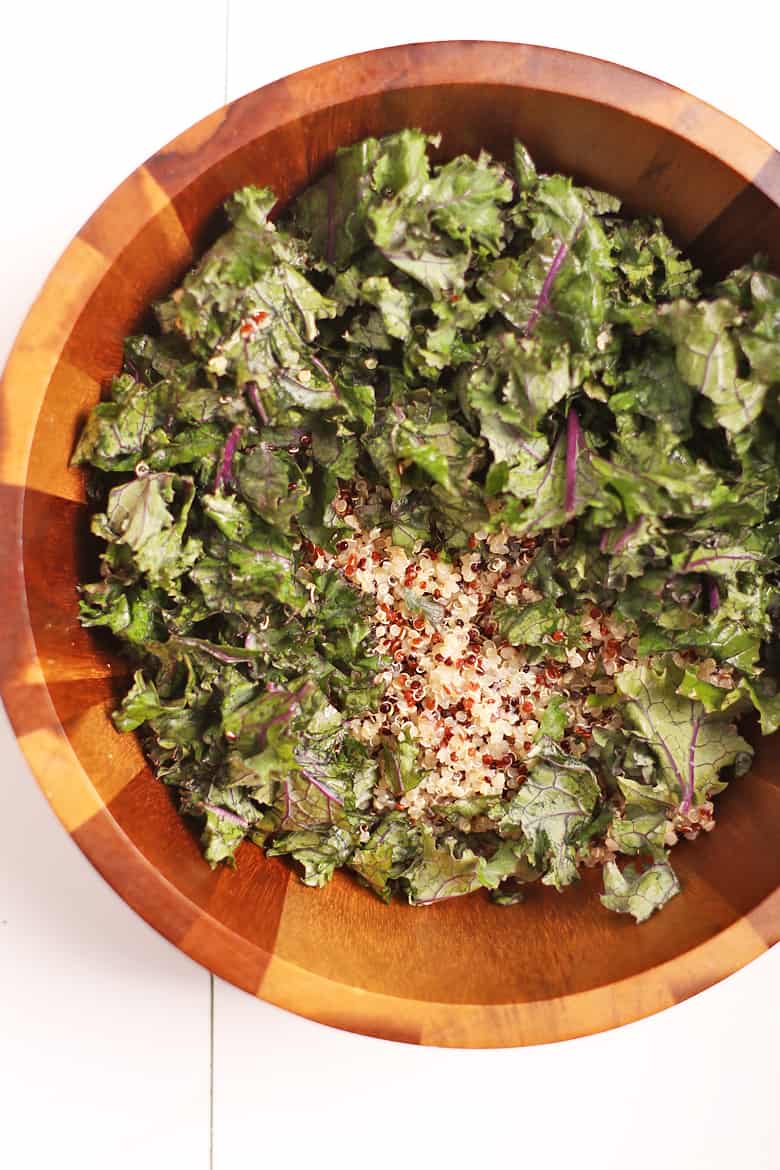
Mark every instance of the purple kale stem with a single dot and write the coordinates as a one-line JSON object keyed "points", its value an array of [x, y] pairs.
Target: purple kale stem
{"points": [[604, 540], [325, 373], [323, 788], [253, 393], [221, 654], [330, 247], [626, 535], [225, 469], [574, 443], [714, 597], [294, 698], [234, 818], [526, 447], [266, 554], [543, 299], [716, 556], [439, 896], [689, 787], [286, 376]]}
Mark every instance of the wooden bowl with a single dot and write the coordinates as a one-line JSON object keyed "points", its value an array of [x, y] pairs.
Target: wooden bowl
{"points": [[463, 973]]}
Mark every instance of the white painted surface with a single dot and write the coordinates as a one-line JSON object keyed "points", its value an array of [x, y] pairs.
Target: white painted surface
{"points": [[104, 1028]]}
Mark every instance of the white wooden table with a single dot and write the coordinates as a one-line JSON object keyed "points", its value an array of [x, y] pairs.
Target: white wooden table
{"points": [[116, 1051]]}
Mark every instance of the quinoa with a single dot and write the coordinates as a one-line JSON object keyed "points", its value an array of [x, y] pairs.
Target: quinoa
{"points": [[471, 702]]}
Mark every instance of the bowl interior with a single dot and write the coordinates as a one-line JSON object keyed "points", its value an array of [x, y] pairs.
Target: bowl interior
{"points": [[464, 952]]}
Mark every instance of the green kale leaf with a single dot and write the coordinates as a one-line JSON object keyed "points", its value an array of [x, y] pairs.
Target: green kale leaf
{"points": [[639, 893], [691, 746], [552, 808]]}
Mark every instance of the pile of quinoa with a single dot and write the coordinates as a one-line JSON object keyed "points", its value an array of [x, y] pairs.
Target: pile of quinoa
{"points": [[470, 700]]}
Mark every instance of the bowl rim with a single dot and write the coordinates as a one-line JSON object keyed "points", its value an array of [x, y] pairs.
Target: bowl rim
{"points": [[34, 356]]}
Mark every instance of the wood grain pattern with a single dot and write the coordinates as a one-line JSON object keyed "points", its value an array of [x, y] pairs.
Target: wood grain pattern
{"points": [[463, 973]]}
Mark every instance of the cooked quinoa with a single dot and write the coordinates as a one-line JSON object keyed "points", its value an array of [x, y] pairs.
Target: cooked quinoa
{"points": [[470, 700], [440, 519]]}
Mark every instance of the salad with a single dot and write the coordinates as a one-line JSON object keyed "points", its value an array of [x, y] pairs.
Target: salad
{"points": [[440, 521]]}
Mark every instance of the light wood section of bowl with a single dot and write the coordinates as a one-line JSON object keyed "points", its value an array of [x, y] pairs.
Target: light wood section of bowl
{"points": [[463, 973]]}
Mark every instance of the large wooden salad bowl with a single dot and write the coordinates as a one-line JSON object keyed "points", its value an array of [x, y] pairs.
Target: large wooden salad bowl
{"points": [[465, 972]]}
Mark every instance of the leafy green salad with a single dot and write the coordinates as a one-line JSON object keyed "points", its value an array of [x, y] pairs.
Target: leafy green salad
{"points": [[439, 518]]}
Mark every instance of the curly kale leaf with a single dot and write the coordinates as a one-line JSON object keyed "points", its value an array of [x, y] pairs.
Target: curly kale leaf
{"points": [[439, 873], [639, 893], [708, 359], [146, 520], [449, 869], [390, 849], [691, 746], [552, 808], [116, 430], [319, 853], [558, 491], [641, 828]]}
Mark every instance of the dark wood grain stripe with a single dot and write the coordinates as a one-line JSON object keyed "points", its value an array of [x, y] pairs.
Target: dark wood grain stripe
{"points": [[749, 224], [71, 394], [247, 902], [134, 878], [58, 553], [70, 698], [234, 929], [109, 757]]}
